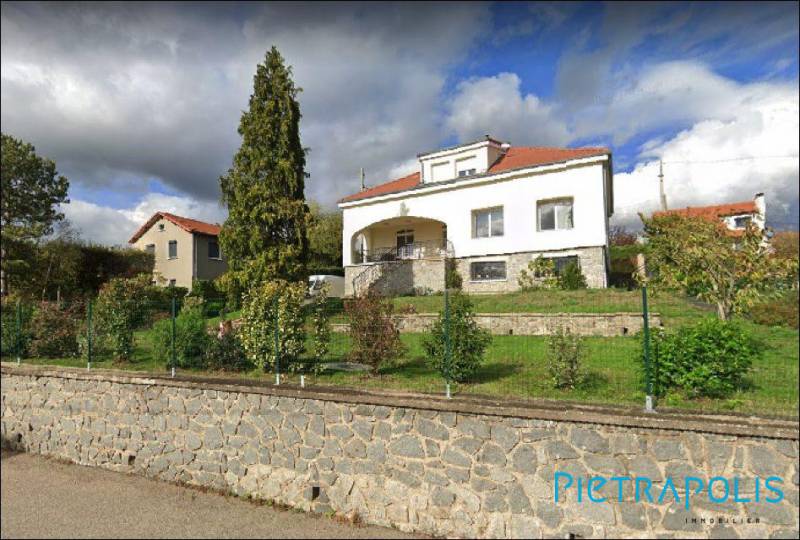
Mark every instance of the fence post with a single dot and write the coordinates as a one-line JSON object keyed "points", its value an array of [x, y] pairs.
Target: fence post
{"points": [[19, 333], [276, 307], [172, 339], [447, 352], [648, 406], [89, 337]]}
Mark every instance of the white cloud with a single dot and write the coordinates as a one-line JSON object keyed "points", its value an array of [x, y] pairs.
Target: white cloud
{"points": [[495, 106], [764, 123], [106, 225]]}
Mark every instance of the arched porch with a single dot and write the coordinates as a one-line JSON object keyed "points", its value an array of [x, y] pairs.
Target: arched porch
{"points": [[400, 238]]}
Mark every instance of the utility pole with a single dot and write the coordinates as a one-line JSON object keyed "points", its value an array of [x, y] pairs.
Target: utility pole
{"points": [[363, 186], [661, 185]]}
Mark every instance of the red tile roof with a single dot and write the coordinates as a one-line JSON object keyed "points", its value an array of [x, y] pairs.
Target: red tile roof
{"points": [[190, 225], [514, 158], [712, 212]]}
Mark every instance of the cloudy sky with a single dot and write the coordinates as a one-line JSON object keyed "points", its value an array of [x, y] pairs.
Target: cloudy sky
{"points": [[139, 104]]}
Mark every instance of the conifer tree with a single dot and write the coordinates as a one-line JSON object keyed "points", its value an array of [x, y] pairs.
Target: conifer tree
{"points": [[264, 237]]}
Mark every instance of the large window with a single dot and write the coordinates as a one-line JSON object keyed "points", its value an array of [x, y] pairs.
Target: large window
{"points": [[741, 222], [487, 222], [487, 271], [213, 249], [561, 262], [555, 215], [172, 251], [150, 248]]}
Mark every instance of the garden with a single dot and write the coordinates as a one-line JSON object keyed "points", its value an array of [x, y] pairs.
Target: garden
{"points": [[132, 328]]}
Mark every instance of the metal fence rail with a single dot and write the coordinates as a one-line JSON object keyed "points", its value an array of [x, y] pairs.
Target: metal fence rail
{"points": [[553, 345]]}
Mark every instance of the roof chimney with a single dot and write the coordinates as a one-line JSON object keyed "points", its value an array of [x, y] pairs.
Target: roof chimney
{"points": [[761, 204]]}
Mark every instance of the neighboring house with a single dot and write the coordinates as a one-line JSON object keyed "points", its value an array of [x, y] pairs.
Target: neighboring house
{"points": [[489, 206], [735, 216], [184, 249]]}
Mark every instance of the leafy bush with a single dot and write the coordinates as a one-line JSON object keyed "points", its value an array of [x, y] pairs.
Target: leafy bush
{"points": [[571, 278], [373, 330], [565, 354], [226, 353], [120, 307], [708, 359], [467, 341], [540, 274], [263, 306], [8, 314], [54, 329], [452, 278], [191, 337], [782, 311], [320, 327]]}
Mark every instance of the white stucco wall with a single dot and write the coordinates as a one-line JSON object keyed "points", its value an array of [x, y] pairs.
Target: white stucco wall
{"points": [[517, 192]]}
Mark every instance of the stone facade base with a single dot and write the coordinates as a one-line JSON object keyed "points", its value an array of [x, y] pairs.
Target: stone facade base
{"points": [[396, 278], [592, 261], [422, 276], [535, 324]]}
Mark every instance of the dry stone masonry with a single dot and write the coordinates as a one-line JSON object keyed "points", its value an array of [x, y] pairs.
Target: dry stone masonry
{"points": [[535, 324], [417, 469]]}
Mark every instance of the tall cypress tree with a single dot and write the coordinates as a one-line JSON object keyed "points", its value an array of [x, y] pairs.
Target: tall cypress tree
{"points": [[264, 237]]}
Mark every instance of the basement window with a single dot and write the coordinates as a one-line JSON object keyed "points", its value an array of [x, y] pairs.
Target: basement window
{"points": [[487, 271]]}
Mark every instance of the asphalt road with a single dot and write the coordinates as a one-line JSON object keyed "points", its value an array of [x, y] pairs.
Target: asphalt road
{"points": [[43, 498]]}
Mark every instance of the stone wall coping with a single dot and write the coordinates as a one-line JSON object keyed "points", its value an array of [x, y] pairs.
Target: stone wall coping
{"points": [[552, 410], [539, 314]]}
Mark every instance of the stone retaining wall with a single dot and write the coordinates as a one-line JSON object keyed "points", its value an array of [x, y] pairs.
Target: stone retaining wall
{"points": [[450, 468], [535, 324]]}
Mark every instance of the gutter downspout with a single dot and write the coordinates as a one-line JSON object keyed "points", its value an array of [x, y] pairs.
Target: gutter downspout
{"points": [[194, 259]]}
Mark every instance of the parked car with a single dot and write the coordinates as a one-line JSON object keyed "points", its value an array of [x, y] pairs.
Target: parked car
{"points": [[335, 285]]}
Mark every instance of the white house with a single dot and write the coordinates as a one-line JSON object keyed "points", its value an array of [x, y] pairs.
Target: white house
{"points": [[487, 205], [736, 216]]}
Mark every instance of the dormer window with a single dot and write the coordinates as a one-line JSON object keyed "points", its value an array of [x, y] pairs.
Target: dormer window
{"points": [[466, 172]]}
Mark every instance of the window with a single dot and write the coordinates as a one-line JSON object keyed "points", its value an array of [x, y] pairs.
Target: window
{"points": [[172, 283], [555, 215], [487, 271], [466, 172], [150, 248], [742, 222], [172, 252], [161, 227], [561, 262], [213, 249], [405, 242], [486, 223]]}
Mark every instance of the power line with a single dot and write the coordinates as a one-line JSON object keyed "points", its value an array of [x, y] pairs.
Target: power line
{"points": [[732, 159]]}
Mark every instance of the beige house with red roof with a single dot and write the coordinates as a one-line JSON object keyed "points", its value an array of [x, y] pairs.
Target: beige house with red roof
{"points": [[489, 206], [184, 249]]}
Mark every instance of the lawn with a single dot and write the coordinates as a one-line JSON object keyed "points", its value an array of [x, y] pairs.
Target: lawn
{"points": [[516, 366]]}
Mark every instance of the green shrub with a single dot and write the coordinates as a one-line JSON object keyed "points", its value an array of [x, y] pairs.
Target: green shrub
{"points": [[540, 274], [571, 278], [191, 337], [226, 353], [54, 329], [119, 310], [452, 278], [467, 341], [373, 331], [565, 355], [263, 306], [10, 336], [781, 311], [320, 327], [708, 359]]}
